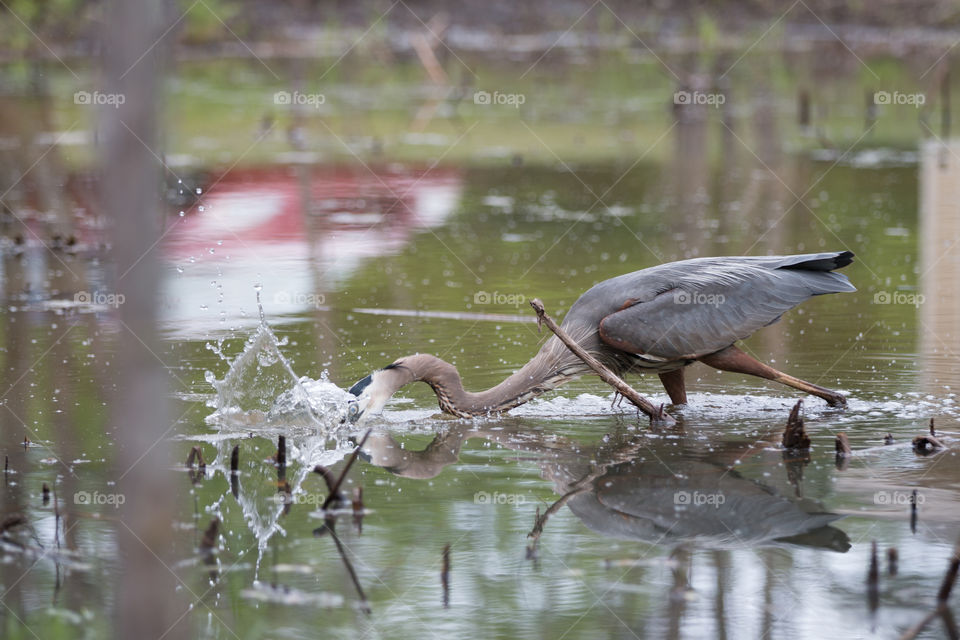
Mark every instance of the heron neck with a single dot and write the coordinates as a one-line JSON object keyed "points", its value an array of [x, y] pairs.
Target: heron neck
{"points": [[542, 373]]}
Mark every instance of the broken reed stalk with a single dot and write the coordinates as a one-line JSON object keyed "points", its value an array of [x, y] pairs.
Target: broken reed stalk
{"points": [[794, 435], [281, 451], [893, 558], [656, 414], [445, 577], [873, 579], [46, 493], [843, 445], [335, 490], [196, 457], [357, 504], [844, 452], [932, 432], [234, 474], [913, 511], [209, 541]]}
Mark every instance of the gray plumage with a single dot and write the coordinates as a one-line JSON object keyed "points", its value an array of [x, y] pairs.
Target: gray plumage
{"points": [[684, 310]]}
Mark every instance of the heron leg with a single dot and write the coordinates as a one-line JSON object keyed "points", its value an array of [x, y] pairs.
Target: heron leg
{"points": [[673, 383], [735, 360]]}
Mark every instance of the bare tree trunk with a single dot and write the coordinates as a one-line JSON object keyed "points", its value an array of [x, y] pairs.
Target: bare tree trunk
{"points": [[147, 605]]}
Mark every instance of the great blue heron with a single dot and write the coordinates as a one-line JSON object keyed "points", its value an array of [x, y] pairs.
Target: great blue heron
{"points": [[658, 319]]}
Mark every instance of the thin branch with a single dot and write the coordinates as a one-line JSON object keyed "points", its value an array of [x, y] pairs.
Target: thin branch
{"points": [[657, 414]]}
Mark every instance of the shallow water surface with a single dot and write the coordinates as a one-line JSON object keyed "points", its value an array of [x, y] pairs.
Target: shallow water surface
{"points": [[704, 530]]}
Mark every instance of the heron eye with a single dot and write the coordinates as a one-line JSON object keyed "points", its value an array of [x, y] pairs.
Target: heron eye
{"points": [[353, 409]]}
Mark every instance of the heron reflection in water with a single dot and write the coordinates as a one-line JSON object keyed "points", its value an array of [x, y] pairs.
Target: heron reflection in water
{"points": [[622, 489]]}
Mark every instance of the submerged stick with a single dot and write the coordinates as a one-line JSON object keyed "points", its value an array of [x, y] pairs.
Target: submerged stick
{"points": [[656, 414], [925, 445]]}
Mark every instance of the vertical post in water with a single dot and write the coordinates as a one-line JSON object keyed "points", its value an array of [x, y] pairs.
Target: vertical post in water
{"points": [[945, 103], [147, 605]]}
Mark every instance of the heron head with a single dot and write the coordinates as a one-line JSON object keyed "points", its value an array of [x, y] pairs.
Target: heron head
{"points": [[373, 391]]}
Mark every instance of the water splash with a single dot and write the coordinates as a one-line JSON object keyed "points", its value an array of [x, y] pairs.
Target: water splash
{"points": [[261, 395], [262, 391]]}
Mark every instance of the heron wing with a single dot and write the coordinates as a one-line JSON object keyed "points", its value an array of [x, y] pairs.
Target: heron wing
{"points": [[701, 311]]}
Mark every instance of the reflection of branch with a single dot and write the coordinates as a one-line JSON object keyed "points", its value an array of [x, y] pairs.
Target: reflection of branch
{"points": [[330, 518], [335, 490], [942, 596], [656, 413], [330, 522], [619, 455], [552, 509], [582, 485]]}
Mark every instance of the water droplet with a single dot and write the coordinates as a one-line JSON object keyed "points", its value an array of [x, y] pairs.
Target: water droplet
{"points": [[199, 190], [258, 287]]}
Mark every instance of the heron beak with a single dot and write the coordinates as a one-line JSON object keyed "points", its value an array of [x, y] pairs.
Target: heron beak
{"points": [[356, 408], [354, 412], [373, 392]]}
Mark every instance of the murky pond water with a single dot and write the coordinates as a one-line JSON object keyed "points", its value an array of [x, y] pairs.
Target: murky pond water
{"points": [[704, 530]]}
